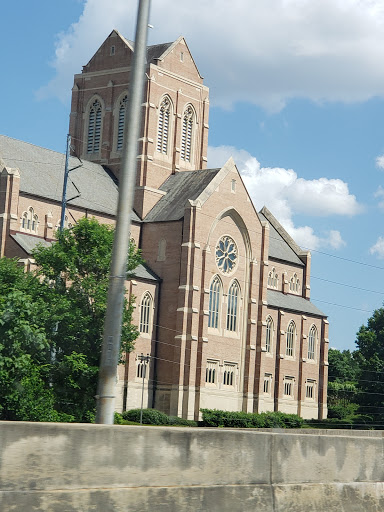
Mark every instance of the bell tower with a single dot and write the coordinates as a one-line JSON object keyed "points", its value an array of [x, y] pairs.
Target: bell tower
{"points": [[174, 124]]}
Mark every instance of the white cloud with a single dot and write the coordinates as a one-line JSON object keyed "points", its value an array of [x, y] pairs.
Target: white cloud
{"points": [[261, 52], [380, 194], [378, 248], [285, 194], [380, 162]]}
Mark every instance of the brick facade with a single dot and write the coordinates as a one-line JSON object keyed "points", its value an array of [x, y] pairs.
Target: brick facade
{"points": [[262, 345]]}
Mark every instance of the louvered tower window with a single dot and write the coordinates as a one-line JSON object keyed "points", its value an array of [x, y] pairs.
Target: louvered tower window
{"points": [[163, 128], [186, 135], [121, 123], [94, 128], [214, 303], [233, 300]]}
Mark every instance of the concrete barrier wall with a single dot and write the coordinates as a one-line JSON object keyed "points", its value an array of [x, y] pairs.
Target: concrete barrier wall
{"points": [[58, 467]]}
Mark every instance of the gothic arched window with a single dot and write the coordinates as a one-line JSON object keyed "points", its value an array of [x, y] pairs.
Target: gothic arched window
{"points": [[145, 313], [94, 127], [269, 334], [294, 284], [233, 303], [29, 221], [273, 279], [291, 338], [163, 126], [214, 303], [312, 337], [121, 123], [186, 134]]}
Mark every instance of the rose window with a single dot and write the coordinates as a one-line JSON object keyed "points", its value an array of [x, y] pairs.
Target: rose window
{"points": [[226, 254]]}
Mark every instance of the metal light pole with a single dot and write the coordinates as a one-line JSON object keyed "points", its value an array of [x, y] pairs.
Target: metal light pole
{"points": [[116, 290], [144, 361]]}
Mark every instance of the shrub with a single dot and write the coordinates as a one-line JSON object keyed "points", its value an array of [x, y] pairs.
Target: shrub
{"points": [[342, 411], [150, 416], [118, 419], [217, 418], [181, 422]]}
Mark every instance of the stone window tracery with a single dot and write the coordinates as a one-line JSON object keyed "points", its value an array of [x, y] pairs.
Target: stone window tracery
{"points": [[232, 307], [312, 338], [214, 303], [145, 313], [291, 338], [226, 254], [269, 335]]}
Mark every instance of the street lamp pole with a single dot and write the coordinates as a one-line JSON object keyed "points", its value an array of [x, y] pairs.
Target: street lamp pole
{"points": [[144, 360], [118, 272]]}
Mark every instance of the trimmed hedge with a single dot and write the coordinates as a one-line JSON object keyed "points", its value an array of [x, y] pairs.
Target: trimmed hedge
{"points": [[181, 422], [217, 418], [155, 417], [150, 416]]}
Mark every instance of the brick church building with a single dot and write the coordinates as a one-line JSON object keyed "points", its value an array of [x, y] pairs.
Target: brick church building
{"points": [[223, 299]]}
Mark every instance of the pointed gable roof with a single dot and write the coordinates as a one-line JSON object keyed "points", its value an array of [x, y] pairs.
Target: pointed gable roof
{"points": [[193, 186], [180, 188], [281, 244], [171, 46]]}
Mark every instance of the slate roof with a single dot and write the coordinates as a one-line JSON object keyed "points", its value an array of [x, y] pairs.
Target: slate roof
{"points": [[278, 247], [292, 303], [28, 243], [42, 174], [180, 187], [155, 51], [142, 271]]}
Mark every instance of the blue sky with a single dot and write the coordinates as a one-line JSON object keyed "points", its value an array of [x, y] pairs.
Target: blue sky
{"points": [[297, 97]]}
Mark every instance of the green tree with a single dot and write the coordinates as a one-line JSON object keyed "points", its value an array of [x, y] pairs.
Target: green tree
{"points": [[51, 325], [370, 343], [343, 389]]}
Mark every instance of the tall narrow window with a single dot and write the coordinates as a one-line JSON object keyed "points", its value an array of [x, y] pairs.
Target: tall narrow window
{"points": [[291, 337], [288, 386], [229, 374], [121, 123], [141, 369], [233, 302], [312, 342], [163, 127], [145, 313], [186, 135], [214, 303], [310, 389], [269, 334], [267, 383], [211, 372], [94, 127]]}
